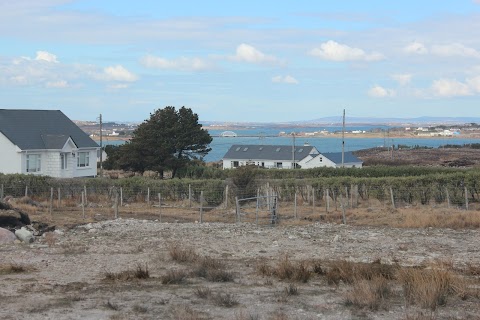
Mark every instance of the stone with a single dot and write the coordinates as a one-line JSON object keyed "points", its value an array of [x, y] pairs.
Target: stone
{"points": [[11, 218], [6, 236], [24, 235]]}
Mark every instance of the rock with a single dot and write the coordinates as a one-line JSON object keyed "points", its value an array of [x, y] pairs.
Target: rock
{"points": [[6, 236], [24, 235], [11, 218]]}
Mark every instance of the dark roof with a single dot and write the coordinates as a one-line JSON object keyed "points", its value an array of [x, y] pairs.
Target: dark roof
{"points": [[41, 129], [337, 157], [266, 152]]}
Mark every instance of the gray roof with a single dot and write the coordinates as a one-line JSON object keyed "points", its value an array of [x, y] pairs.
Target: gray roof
{"points": [[337, 157], [41, 129], [266, 152]]}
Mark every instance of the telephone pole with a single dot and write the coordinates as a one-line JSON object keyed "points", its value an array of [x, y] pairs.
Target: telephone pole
{"points": [[343, 140], [293, 150], [101, 147]]}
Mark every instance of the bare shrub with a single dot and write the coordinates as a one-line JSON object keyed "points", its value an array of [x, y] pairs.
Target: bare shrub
{"points": [[174, 277], [263, 268], [348, 272], [291, 290], [182, 255], [139, 272], [50, 239], [212, 270], [184, 312], [243, 315], [111, 305], [427, 288], [9, 268], [368, 293], [203, 292], [227, 300]]}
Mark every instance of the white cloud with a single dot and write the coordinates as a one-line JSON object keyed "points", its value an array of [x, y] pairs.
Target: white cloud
{"points": [[118, 73], [118, 86], [381, 92], [57, 84], [285, 79], [182, 63], [415, 48], [474, 83], [335, 51], [402, 79], [46, 56], [247, 53], [455, 49], [450, 88]]}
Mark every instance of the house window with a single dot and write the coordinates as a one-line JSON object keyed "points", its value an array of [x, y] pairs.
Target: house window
{"points": [[34, 162], [83, 159], [235, 164], [279, 165], [63, 160]]}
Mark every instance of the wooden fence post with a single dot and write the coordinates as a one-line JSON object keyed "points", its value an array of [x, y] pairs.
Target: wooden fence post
{"points": [[26, 191], [1, 192], [295, 205], [116, 204], [85, 194], [392, 198], [237, 210], [160, 206], [344, 217], [346, 195], [59, 203], [148, 196], [313, 200], [121, 197], [327, 198], [189, 195], [466, 198], [51, 200], [201, 206], [448, 197], [83, 205], [226, 196], [257, 206]]}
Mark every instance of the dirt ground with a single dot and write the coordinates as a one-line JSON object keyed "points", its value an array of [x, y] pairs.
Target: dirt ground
{"points": [[81, 272], [463, 157]]}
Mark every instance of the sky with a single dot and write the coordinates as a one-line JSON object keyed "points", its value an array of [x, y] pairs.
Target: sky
{"points": [[241, 61]]}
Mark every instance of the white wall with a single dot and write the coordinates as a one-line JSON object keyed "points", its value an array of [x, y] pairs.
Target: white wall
{"points": [[10, 159], [89, 171]]}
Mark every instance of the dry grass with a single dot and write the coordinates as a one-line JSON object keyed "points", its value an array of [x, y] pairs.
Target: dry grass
{"points": [[203, 292], [348, 272], [184, 312], [454, 219], [174, 277], [182, 255], [285, 269], [226, 300], [12, 268], [369, 294], [138, 273], [426, 288]]}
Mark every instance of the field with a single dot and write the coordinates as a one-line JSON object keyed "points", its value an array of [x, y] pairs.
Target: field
{"points": [[154, 263]]}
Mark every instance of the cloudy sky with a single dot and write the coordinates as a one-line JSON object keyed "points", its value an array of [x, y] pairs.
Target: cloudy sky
{"points": [[244, 60]]}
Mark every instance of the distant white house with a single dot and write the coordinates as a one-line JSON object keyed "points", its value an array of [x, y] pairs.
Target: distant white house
{"points": [[45, 142], [284, 157]]}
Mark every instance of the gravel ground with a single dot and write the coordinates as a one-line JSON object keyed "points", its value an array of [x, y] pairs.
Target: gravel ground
{"points": [[65, 272]]}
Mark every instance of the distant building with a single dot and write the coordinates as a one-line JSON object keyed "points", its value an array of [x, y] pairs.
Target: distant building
{"points": [[228, 134], [45, 142], [283, 157]]}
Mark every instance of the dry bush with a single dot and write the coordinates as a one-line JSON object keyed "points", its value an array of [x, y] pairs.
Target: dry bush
{"points": [[111, 306], [291, 290], [227, 300], [10, 268], [348, 272], [203, 292], [174, 277], [50, 238], [212, 270], [182, 255], [427, 288], [243, 315], [369, 294], [454, 220], [263, 268], [139, 272], [184, 312], [472, 269]]}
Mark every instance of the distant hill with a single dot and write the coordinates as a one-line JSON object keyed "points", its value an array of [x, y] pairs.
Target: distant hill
{"points": [[337, 120]]}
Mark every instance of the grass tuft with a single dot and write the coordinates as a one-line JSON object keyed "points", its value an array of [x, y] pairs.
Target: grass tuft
{"points": [[174, 277]]}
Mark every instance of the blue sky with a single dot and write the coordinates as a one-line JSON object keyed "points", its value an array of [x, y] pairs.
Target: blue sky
{"points": [[258, 61]]}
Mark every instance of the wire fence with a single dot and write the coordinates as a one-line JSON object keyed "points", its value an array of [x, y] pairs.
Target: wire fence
{"points": [[230, 203]]}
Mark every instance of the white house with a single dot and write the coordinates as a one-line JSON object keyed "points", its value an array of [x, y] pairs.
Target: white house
{"points": [[284, 156], [45, 142]]}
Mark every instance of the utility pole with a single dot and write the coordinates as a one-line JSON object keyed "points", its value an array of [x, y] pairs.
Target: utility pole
{"points": [[101, 147], [343, 140], [293, 151]]}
